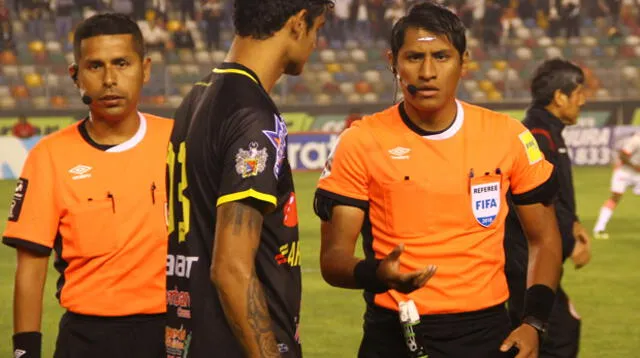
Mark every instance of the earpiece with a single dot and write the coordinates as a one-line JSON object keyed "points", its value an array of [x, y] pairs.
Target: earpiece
{"points": [[74, 76], [86, 99]]}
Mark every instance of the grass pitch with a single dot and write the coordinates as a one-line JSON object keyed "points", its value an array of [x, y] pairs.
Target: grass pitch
{"points": [[606, 293]]}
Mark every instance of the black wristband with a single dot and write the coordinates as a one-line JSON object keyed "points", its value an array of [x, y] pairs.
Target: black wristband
{"points": [[539, 326], [366, 277], [27, 344], [538, 302]]}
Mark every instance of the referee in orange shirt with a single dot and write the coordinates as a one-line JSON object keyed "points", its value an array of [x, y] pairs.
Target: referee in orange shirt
{"points": [[94, 193], [425, 182]]}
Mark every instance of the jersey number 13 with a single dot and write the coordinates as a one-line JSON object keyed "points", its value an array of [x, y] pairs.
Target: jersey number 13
{"points": [[177, 180]]}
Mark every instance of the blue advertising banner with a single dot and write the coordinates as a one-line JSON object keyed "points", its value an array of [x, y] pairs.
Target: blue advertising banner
{"points": [[309, 151]]}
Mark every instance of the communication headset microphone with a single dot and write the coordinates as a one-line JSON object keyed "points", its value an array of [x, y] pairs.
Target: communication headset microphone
{"points": [[413, 90], [85, 98]]}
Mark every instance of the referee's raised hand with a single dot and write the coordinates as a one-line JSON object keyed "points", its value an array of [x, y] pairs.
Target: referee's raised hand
{"points": [[389, 272]]}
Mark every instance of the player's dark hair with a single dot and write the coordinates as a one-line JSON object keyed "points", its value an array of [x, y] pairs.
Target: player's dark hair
{"points": [[107, 24], [433, 18], [260, 19], [553, 75]]}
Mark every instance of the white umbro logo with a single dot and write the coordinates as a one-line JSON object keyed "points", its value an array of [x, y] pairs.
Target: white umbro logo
{"points": [[19, 353], [80, 172], [399, 153]]}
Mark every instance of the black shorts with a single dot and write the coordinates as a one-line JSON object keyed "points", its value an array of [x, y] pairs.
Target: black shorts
{"points": [[140, 336], [476, 334]]}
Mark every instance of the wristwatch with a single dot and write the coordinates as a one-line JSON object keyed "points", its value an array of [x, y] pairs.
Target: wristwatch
{"points": [[540, 326]]}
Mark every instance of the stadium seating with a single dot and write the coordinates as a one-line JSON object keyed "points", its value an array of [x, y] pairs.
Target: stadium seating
{"points": [[35, 72]]}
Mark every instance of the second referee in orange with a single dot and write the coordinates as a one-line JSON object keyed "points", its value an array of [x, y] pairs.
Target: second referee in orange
{"points": [[94, 193], [425, 183]]}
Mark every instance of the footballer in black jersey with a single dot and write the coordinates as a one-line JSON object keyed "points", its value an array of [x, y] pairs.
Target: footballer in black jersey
{"points": [[233, 268], [229, 143]]}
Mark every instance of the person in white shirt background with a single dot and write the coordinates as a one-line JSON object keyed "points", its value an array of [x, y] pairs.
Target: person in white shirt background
{"points": [[625, 175]]}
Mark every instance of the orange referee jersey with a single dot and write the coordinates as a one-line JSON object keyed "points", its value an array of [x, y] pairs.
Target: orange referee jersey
{"points": [[102, 212], [443, 195]]}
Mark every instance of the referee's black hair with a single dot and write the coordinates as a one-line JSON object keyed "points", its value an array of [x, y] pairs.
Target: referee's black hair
{"points": [[433, 18], [108, 24], [553, 75], [260, 19]]}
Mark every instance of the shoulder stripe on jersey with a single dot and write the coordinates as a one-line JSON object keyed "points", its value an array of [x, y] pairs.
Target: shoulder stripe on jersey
{"points": [[247, 194], [233, 70], [545, 133]]}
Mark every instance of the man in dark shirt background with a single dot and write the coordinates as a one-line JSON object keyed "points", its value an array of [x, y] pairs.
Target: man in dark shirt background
{"points": [[557, 91]]}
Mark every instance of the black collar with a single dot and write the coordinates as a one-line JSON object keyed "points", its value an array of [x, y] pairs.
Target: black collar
{"points": [[539, 114], [85, 135], [407, 121]]}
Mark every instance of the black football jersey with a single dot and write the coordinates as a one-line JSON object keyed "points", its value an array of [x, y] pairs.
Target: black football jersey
{"points": [[229, 143]]}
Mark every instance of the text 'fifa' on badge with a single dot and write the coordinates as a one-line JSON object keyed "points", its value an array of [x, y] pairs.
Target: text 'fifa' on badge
{"points": [[278, 138], [485, 202], [18, 199], [252, 161], [531, 147]]}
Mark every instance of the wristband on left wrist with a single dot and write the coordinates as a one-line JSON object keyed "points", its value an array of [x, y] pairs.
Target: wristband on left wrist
{"points": [[537, 324], [27, 344]]}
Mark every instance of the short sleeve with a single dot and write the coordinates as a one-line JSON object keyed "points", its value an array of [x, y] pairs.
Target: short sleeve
{"points": [[530, 168], [345, 175], [253, 155], [33, 213]]}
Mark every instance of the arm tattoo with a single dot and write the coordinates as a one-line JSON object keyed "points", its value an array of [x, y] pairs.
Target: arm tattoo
{"points": [[244, 218], [260, 320]]}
